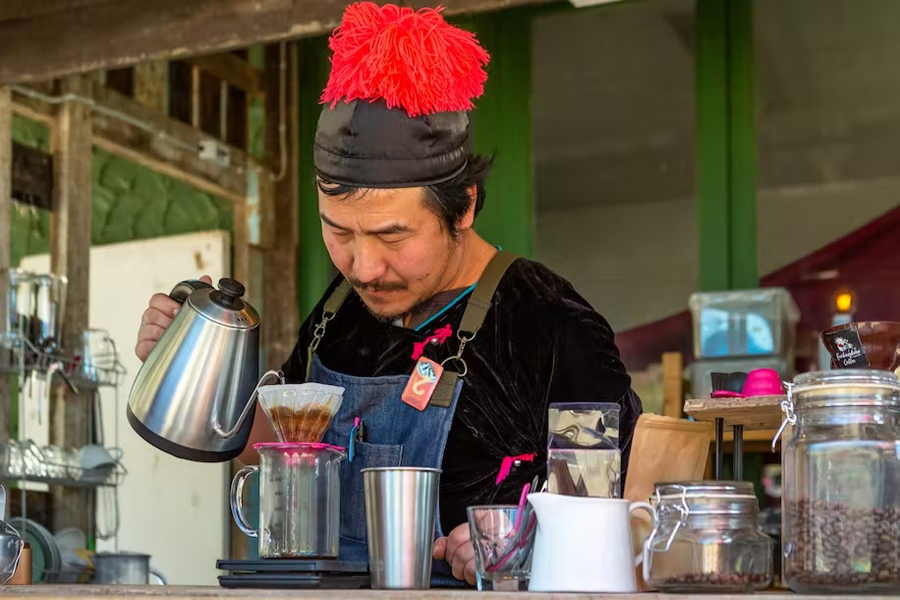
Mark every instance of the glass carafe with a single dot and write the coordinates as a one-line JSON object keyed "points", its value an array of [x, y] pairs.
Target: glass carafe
{"points": [[841, 483], [583, 456], [299, 500]]}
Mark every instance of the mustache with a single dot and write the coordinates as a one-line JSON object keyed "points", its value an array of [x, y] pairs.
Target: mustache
{"points": [[377, 286]]}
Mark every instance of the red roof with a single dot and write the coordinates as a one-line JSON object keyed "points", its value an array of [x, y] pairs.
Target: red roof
{"points": [[866, 261]]}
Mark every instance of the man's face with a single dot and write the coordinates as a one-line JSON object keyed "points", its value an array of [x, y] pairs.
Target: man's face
{"points": [[390, 247]]}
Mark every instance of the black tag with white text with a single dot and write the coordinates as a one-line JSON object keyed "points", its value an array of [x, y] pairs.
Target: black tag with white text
{"points": [[846, 349]]}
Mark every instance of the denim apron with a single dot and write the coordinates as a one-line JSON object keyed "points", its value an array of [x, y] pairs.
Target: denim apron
{"points": [[396, 434]]}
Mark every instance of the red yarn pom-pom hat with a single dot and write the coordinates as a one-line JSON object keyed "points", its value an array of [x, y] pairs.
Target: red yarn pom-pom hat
{"points": [[395, 104]]}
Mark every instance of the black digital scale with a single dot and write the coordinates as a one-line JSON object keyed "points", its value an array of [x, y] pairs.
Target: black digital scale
{"points": [[288, 573], [311, 573]]}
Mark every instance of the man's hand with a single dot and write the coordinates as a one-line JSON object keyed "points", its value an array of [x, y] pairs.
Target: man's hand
{"points": [[158, 316], [458, 551]]}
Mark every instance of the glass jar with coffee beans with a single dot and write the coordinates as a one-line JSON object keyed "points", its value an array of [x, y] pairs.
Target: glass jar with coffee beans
{"points": [[707, 539], [841, 482]]}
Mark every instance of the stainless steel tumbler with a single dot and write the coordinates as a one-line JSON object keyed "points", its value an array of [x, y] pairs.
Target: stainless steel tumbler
{"points": [[401, 507]]}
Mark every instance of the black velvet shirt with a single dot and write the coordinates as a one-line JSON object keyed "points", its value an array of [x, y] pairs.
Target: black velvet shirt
{"points": [[541, 343]]}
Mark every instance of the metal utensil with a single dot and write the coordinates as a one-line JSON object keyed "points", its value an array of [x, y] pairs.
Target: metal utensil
{"points": [[16, 324], [401, 507], [50, 302], [194, 394], [124, 568], [11, 544]]}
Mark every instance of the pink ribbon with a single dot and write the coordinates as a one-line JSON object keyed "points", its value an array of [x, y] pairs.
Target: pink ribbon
{"points": [[440, 336], [507, 464]]}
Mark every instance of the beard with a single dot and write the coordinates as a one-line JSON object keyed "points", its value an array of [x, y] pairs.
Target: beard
{"points": [[423, 298]]}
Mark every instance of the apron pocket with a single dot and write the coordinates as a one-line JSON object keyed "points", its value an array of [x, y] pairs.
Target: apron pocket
{"points": [[353, 494]]}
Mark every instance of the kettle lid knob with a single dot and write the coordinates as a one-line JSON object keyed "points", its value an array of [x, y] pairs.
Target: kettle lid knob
{"points": [[231, 289]]}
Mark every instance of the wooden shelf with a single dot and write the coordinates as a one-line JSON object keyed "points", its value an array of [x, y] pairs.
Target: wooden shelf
{"points": [[756, 413]]}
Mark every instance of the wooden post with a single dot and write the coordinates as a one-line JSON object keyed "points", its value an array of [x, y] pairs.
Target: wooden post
{"points": [[673, 396], [280, 309], [70, 233], [151, 85], [240, 261], [5, 259], [279, 258]]}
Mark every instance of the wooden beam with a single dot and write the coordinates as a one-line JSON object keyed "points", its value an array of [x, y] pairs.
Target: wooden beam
{"points": [[70, 235], [228, 67], [159, 143], [151, 85], [5, 210], [11, 10], [63, 41]]}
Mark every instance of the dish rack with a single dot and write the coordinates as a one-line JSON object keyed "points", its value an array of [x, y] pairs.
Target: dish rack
{"points": [[24, 463], [20, 355]]}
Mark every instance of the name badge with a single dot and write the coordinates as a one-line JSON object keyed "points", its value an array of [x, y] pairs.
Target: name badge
{"points": [[421, 383]]}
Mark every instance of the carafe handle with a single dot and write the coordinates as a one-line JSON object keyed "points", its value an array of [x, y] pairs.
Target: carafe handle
{"points": [[237, 499], [642, 556], [217, 427]]}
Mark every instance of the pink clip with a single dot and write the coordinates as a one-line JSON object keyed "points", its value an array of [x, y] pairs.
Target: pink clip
{"points": [[440, 336], [508, 461]]}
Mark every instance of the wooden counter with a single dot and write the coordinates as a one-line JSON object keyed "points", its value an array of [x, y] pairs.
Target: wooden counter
{"points": [[91, 592]]}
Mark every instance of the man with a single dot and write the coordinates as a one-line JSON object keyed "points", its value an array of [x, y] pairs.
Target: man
{"points": [[399, 191]]}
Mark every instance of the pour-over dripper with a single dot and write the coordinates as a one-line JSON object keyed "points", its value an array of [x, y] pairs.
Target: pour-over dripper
{"points": [[300, 412]]}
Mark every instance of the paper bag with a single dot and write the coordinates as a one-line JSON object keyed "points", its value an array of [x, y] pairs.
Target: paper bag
{"points": [[663, 449]]}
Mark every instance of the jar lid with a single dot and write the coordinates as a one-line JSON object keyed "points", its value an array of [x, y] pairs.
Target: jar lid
{"points": [[847, 387], [707, 497]]}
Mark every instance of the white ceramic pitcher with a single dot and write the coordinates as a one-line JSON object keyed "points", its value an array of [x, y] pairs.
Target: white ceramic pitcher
{"points": [[584, 544]]}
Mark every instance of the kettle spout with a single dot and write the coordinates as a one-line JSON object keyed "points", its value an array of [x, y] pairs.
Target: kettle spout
{"points": [[230, 433]]}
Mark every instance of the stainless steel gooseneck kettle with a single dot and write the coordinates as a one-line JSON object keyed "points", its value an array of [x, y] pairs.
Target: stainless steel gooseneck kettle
{"points": [[194, 394]]}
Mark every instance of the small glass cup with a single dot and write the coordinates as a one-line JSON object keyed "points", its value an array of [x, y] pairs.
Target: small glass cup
{"points": [[498, 565]]}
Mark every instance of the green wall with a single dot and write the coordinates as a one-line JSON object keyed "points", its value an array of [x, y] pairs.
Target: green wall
{"points": [[501, 125], [313, 264], [128, 202]]}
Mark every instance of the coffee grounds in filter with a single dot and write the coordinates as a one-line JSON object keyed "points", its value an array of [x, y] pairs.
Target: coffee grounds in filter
{"points": [[305, 424]]}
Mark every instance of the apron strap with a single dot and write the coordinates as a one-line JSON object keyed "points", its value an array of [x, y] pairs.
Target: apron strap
{"points": [[480, 301], [473, 318], [332, 306], [476, 310]]}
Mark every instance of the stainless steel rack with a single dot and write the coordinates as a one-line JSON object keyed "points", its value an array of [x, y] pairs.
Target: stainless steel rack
{"points": [[23, 462], [20, 355]]}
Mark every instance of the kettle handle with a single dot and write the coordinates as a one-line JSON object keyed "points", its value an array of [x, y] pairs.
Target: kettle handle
{"points": [[217, 427], [184, 289]]}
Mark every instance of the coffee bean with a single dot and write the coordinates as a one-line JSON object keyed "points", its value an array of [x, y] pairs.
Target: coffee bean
{"points": [[737, 581], [836, 546]]}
